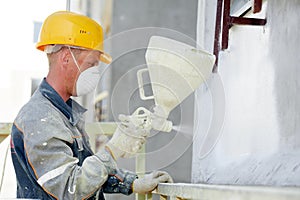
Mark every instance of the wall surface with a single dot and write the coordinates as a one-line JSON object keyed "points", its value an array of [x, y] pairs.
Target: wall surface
{"points": [[255, 137]]}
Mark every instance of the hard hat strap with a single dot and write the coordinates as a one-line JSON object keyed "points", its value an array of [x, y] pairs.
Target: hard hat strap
{"points": [[76, 63]]}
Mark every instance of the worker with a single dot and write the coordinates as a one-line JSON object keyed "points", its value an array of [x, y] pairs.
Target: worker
{"points": [[50, 149]]}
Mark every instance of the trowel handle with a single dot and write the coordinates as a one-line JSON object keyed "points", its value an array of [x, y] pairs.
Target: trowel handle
{"points": [[148, 120], [141, 117], [141, 84], [141, 111]]}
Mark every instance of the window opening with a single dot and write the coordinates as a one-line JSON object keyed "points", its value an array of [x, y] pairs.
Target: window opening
{"points": [[233, 14]]}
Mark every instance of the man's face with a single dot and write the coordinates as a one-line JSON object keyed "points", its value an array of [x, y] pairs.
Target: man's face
{"points": [[85, 59]]}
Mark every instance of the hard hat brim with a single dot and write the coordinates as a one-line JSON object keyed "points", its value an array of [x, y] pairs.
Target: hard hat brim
{"points": [[106, 58]]}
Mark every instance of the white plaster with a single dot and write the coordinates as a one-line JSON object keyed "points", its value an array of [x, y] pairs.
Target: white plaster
{"points": [[259, 71]]}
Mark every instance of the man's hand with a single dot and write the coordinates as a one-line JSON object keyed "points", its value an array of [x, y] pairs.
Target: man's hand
{"points": [[150, 181], [128, 138]]}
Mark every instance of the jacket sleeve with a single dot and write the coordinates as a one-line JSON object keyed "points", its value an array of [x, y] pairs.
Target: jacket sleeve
{"points": [[52, 162], [120, 182]]}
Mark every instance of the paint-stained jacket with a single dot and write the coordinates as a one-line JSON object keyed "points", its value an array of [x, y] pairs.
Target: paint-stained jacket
{"points": [[52, 156]]}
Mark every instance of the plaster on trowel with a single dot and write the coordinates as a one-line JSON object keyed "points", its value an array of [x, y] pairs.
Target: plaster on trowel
{"points": [[176, 70]]}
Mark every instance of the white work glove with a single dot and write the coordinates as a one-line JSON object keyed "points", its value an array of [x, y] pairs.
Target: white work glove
{"points": [[159, 120], [128, 138], [150, 181]]}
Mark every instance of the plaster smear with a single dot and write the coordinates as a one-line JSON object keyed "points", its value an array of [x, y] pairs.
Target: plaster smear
{"points": [[259, 141]]}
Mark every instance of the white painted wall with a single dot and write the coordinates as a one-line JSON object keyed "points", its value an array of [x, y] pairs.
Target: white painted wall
{"points": [[259, 138]]}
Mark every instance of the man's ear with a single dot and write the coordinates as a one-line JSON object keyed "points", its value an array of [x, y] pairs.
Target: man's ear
{"points": [[65, 58]]}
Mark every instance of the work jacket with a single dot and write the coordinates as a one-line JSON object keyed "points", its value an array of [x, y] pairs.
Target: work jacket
{"points": [[52, 155]]}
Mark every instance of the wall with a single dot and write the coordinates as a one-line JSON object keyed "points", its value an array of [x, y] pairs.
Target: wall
{"points": [[257, 136]]}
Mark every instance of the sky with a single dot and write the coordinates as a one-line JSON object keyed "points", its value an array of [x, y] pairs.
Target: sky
{"points": [[19, 60]]}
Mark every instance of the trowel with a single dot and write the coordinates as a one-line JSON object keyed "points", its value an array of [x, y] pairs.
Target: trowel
{"points": [[176, 70]]}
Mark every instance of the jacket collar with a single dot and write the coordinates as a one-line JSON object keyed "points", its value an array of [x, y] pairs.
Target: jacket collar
{"points": [[71, 109]]}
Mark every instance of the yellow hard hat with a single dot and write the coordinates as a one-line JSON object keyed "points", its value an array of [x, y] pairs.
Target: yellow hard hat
{"points": [[68, 28]]}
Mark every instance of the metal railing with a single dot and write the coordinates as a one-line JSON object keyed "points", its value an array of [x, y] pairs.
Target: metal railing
{"points": [[185, 191], [4, 130], [202, 191]]}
